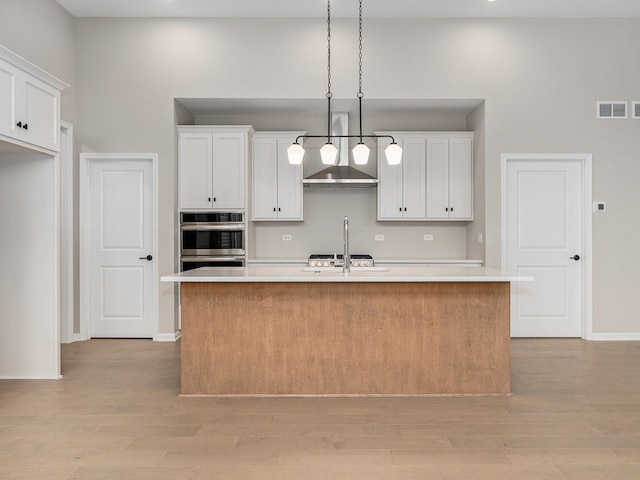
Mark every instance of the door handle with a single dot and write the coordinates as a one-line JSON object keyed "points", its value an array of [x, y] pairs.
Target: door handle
{"points": [[575, 257], [148, 257]]}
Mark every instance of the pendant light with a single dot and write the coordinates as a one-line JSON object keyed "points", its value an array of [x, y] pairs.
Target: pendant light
{"points": [[329, 152]]}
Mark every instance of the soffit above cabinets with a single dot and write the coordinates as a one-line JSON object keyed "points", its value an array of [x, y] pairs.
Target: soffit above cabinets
{"points": [[373, 8], [294, 106]]}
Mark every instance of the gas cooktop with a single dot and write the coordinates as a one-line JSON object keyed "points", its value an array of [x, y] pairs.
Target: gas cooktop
{"points": [[335, 260]]}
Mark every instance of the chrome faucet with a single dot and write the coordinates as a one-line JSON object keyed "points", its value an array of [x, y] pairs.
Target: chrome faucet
{"points": [[346, 258]]}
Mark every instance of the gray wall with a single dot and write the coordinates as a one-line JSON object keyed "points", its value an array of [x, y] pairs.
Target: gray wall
{"points": [[540, 80]]}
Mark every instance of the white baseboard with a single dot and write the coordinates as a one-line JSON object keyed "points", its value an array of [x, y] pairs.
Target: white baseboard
{"points": [[76, 338], [614, 337], [168, 337]]}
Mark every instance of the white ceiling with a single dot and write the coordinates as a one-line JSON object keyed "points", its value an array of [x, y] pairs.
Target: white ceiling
{"points": [[349, 8]]}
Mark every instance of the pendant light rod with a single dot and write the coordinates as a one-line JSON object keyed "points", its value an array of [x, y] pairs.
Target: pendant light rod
{"points": [[329, 94], [360, 94]]}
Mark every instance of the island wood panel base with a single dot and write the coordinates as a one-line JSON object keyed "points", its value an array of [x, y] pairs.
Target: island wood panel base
{"points": [[345, 338]]}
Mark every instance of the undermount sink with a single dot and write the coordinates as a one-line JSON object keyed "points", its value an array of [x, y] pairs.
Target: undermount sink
{"points": [[339, 269]]}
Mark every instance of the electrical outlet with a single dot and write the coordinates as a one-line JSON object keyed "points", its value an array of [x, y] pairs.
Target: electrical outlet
{"points": [[480, 240], [286, 238], [379, 238], [428, 238]]}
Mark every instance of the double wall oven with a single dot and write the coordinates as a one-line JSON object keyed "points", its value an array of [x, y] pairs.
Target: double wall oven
{"points": [[212, 239]]}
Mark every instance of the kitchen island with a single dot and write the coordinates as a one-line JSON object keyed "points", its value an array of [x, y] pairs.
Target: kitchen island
{"points": [[402, 330]]}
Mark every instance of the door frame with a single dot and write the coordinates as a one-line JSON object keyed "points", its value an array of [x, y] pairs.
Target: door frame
{"points": [[67, 273], [585, 162], [87, 160]]}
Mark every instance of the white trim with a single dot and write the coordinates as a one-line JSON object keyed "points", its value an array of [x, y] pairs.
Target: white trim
{"points": [[86, 159], [66, 233], [26, 66], [585, 160], [168, 337], [615, 337]]}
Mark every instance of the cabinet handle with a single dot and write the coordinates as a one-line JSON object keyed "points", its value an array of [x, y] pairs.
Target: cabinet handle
{"points": [[274, 209], [209, 199], [214, 199], [19, 124], [405, 209], [446, 209], [25, 126], [279, 209], [400, 209]]}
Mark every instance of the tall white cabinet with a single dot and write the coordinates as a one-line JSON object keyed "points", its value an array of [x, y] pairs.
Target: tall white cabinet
{"points": [[276, 184], [30, 215], [434, 180], [212, 167]]}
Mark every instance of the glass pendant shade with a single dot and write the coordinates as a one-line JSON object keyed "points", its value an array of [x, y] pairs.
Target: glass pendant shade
{"points": [[295, 153], [328, 153], [394, 154], [360, 154]]}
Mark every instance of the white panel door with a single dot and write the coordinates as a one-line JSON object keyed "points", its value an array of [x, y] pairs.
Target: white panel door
{"points": [[461, 178], [437, 178], [413, 182], [195, 152], [121, 240], [289, 184], [41, 114], [544, 240], [229, 157], [390, 186], [8, 82], [265, 178]]}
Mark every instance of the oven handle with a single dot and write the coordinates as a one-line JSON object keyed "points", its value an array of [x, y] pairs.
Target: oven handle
{"points": [[212, 227], [212, 259]]}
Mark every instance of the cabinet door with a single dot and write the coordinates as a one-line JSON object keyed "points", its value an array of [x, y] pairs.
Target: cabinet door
{"points": [[390, 185], [289, 184], [265, 178], [195, 151], [461, 178], [8, 82], [229, 157], [40, 114], [413, 178], [437, 178]]}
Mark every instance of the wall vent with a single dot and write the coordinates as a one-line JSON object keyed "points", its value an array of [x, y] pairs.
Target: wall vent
{"points": [[636, 109], [612, 109]]}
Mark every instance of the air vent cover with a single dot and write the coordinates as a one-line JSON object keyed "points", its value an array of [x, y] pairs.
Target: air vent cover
{"points": [[612, 109]]}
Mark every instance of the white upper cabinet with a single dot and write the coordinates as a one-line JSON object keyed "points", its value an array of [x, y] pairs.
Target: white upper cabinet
{"points": [[434, 181], [212, 167], [29, 104], [401, 190], [450, 177], [276, 184]]}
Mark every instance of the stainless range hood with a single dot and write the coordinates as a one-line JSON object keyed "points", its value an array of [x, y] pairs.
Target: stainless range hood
{"points": [[342, 174]]}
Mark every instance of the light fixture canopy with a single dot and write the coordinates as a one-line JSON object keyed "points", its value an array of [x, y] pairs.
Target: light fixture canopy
{"points": [[328, 152]]}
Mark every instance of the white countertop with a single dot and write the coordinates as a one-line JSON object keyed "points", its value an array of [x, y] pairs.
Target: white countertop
{"points": [[297, 273]]}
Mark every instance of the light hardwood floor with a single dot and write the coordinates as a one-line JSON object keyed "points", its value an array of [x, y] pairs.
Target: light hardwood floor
{"points": [[574, 414]]}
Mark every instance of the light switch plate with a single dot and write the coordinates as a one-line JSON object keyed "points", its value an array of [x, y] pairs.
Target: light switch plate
{"points": [[379, 238], [286, 238], [428, 238]]}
